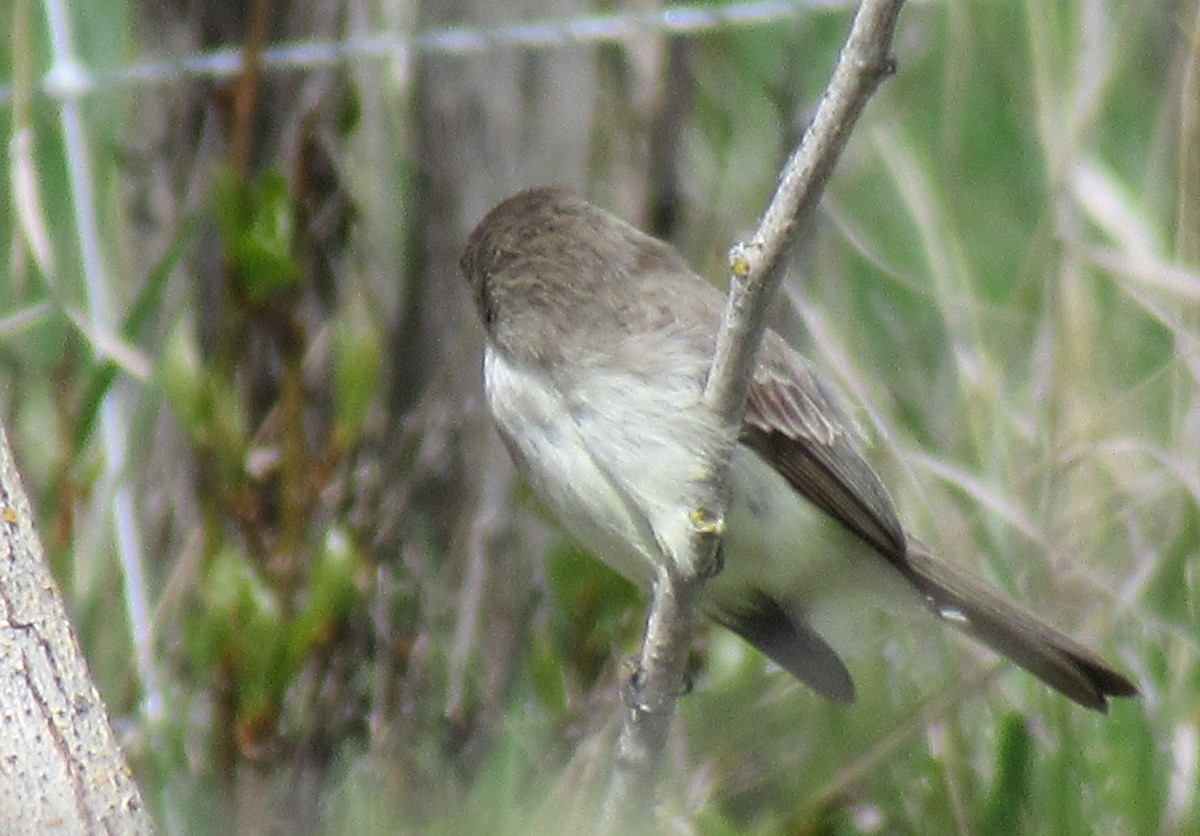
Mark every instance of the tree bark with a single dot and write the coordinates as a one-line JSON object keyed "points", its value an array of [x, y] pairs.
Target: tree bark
{"points": [[61, 770]]}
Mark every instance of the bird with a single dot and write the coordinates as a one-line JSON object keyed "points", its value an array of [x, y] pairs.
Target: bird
{"points": [[599, 341]]}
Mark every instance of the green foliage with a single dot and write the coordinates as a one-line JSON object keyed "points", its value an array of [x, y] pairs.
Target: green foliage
{"points": [[1011, 791], [242, 628], [183, 379], [357, 364], [258, 231], [133, 327], [592, 611], [333, 588], [207, 408]]}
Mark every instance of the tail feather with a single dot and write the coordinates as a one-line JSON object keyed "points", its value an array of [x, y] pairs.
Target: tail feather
{"points": [[976, 608]]}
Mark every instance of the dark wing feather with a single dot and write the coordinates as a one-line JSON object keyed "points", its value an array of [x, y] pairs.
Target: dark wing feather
{"points": [[794, 422], [792, 644]]}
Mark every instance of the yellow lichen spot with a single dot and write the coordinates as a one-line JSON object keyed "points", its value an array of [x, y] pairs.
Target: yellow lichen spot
{"points": [[9, 515], [739, 264], [706, 524]]}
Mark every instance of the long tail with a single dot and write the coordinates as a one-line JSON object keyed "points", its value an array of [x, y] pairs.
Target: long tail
{"points": [[978, 609]]}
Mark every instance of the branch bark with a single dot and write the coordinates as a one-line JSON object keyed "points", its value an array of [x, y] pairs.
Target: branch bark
{"points": [[755, 275], [61, 770]]}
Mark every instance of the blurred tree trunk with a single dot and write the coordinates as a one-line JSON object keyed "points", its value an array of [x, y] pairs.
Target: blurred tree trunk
{"points": [[486, 125], [62, 770]]}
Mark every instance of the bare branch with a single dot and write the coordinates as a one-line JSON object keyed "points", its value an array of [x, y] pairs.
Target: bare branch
{"points": [[864, 62], [755, 277]]}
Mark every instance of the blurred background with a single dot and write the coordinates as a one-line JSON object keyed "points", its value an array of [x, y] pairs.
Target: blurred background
{"points": [[241, 375]]}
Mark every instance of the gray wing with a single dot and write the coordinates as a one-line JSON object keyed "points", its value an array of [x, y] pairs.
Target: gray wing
{"points": [[794, 422]]}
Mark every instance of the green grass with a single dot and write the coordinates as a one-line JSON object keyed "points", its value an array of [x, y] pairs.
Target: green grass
{"points": [[1003, 280]]}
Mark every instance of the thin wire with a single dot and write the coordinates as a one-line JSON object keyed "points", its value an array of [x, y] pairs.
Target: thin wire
{"points": [[461, 40], [66, 77]]}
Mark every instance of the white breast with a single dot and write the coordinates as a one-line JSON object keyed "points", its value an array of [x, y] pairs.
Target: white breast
{"points": [[615, 459]]}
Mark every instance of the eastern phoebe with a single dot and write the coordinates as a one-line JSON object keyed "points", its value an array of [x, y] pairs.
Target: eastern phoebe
{"points": [[599, 340]]}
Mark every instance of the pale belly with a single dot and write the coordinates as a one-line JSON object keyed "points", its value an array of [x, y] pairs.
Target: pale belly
{"points": [[624, 488], [625, 491]]}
